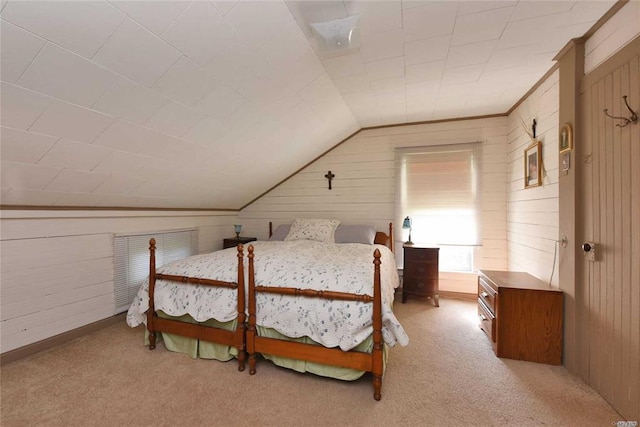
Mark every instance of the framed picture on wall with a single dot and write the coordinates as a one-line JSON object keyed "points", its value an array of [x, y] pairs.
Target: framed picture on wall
{"points": [[566, 138], [533, 165]]}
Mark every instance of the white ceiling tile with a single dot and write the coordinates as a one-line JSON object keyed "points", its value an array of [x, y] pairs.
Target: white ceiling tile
{"points": [[462, 74], [136, 53], [20, 107], [118, 184], [351, 84], [65, 75], [529, 32], [26, 175], [185, 82], [71, 122], [287, 46], [113, 200], [257, 21], [235, 64], [385, 69], [424, 88], [376, 46], [130, 101], [121, 162], [173, 119], [478, 27], [470, 54], [396, 84], [344, 66], [80, 26], [30, 197], [429, 20], [261, 91], [74, 155], [531, 9], [71, 181], [358, 99], [468, 7], [125, 136], [25, 147], [220, 102], [156, 16], [200, 33], [18, 47], [427, 50], [376, 17], [426, 71], [224, 6]]}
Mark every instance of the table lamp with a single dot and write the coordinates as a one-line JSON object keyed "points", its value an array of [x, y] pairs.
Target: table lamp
{"points": [[238, 229], [406, 224]]}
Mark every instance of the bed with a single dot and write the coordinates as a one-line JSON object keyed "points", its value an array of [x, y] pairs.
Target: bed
{"points": [[199, 303], [322, 307]]}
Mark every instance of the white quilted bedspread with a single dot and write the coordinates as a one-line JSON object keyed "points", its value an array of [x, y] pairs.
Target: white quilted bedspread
{"points": [[298, 264]]}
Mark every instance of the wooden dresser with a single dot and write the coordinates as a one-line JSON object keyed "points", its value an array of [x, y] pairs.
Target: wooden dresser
{"points": [[521, 315], [420, 275]]}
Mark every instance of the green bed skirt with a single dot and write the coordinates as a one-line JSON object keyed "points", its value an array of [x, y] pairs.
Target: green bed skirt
{"points": [[336, 372], [193, 347], [207, 350]]}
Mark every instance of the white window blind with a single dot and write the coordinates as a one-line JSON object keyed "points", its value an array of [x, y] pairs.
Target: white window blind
{"points": [[439, 189], [131, 260]]}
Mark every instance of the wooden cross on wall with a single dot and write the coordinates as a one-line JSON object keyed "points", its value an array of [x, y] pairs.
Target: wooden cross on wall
{"points": [[329, 176]]}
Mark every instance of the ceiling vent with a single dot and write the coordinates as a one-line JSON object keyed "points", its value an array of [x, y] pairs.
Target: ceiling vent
{"points": [[338, 35]]}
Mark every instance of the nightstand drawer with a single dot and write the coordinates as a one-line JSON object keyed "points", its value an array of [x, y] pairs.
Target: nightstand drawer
{"points": [[420, 256]]}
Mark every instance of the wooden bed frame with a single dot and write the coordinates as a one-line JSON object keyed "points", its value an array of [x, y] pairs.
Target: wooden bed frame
{"points": [[207, 333], [369, 362]]}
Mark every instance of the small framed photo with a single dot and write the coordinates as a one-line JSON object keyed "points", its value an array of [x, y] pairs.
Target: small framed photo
{"points": [[566, 138], [533, 165]]}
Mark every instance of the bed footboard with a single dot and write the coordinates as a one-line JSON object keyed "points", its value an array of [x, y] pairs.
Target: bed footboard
{"points": [[370, 362], [220, 336]]}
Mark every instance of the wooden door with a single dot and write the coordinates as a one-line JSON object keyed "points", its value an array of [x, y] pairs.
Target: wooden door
{"points": [[608, 214]]}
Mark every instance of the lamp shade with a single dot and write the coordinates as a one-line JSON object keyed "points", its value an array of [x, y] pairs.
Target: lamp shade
{"points": [[406, 224], [237, 228]]}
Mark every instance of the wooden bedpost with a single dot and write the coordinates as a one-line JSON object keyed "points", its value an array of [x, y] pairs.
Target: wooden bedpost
{"points": [[151, 312], [251, 330], [240, 333], [270, 229], [391, 236], [377, 362]]}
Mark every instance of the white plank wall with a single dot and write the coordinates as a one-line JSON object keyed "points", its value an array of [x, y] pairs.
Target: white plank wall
{"points": [[533, 213], [364, 186], [57, 267]]}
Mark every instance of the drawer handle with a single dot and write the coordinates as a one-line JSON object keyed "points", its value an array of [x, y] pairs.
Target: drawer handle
{"points": [[484, 294], [483, 317]]}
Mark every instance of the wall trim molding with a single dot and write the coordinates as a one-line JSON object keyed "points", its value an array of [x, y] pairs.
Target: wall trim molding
{"points": [[49, 343], [459, 295]]}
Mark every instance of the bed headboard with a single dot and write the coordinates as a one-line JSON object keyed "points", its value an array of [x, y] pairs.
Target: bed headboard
{"points": [[381, 238]]}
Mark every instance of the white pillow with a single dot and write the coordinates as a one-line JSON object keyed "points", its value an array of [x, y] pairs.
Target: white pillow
{"points": [[321, 230]]}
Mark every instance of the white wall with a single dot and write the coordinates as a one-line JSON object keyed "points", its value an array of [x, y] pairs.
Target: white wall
{"points": [[623, 27], [57, 266], [364, 186], [533, 213]]}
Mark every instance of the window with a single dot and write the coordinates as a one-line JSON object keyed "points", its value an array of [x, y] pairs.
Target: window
{"points": [[439, 188], [131, 260]]}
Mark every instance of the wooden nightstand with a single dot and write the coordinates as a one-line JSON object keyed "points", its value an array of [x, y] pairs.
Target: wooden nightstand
{"points": [[420, 274], [232, 242]]}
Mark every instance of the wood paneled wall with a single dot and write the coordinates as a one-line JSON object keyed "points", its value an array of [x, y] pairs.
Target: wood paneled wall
{"points": [[57, 267], [364, 186], [532, 215]]}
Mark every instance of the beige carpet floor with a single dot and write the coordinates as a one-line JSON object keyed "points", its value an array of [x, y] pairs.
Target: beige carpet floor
{"points": [[447, 375]]}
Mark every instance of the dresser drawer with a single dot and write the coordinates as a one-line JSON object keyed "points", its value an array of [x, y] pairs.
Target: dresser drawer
{"points": [[487, 321], [420, 284], [486, 294]]}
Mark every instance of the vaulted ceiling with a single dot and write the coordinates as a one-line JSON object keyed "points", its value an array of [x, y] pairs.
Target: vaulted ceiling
{"points": [[207, 104]]}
